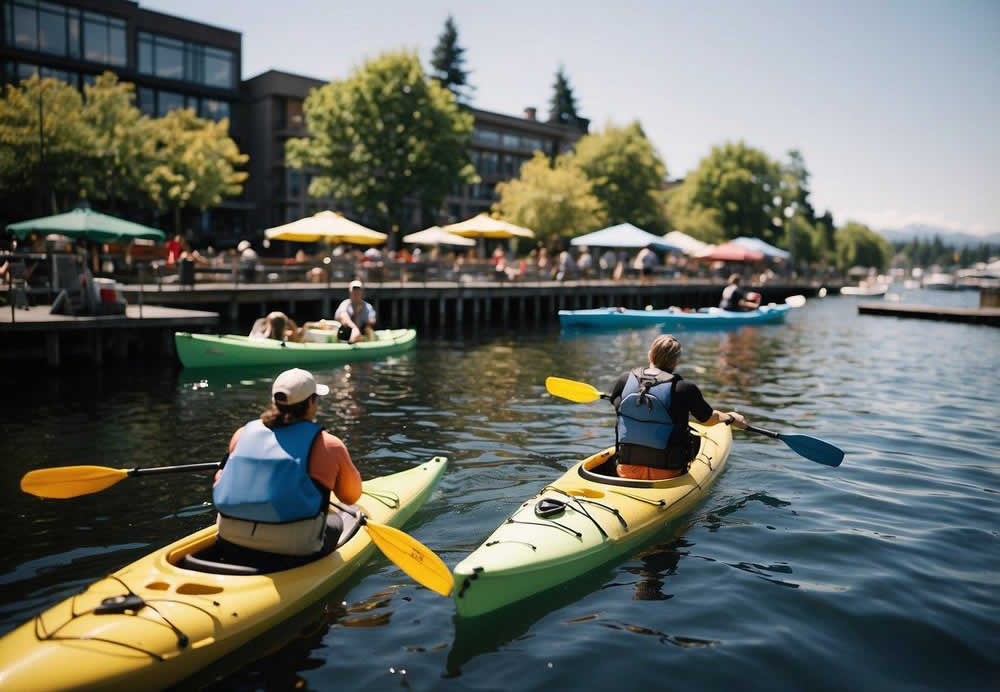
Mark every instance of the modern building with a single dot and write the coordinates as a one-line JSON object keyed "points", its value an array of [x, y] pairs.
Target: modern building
{"points": [[178, 63]]}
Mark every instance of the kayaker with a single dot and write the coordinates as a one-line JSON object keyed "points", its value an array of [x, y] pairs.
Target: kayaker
{"points": [[653, 405], [274, 489], [733, 297], [356, 314], [278, 326]]}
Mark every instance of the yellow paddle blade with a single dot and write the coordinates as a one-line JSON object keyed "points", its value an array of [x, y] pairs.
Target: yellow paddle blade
{"points": [[579, 392], [413, 557], [70, 481]]}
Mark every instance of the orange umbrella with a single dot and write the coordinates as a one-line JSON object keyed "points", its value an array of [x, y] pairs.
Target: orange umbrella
{"points": [[730, 252]]}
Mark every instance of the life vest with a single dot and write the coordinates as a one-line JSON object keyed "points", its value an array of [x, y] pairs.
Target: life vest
{"points": [[731, 296], [644, 424], [266, 478]]}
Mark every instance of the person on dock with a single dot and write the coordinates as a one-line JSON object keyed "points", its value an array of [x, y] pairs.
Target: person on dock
{"points": [[653, 405], [733, 297], [274, 488], [356, 314]]}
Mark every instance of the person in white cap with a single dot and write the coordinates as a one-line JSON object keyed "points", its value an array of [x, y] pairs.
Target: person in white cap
{"points": [[273, 491], [356, 314], [248, 260]]}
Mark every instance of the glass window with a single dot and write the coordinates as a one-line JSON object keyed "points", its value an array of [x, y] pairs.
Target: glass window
{"points": [[26, 70], [214, 110], [116, 46], [531, 143], [168, 101], [294, 179], [489, 137], [168, 57], [145, 54], [147, 101], [509, 165], [95, 39], [489, 163], [52, 31], [25, 27], [74, 35], [510, 141], [218, 68]]}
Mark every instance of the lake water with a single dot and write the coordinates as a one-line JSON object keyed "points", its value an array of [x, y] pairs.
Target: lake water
{"points": [[881, 574]]}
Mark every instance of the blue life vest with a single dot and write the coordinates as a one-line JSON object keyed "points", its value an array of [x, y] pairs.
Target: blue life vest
{"points": [[266, 478], [644, 411]]}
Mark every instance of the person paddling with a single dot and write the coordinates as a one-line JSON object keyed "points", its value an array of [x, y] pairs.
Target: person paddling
{"points": [[733, 297], [653, 404], [356, 314], [275, 486]]}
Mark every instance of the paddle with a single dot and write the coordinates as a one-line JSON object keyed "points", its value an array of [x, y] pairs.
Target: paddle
{"points": [[809, 447], [409, 554], [796, 301]]}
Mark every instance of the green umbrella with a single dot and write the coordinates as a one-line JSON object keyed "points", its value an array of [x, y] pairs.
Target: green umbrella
{"points": [[86, 223]]}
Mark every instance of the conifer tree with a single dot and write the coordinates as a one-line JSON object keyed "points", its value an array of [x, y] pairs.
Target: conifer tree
{"points": [[562, 108], [448, 61]]}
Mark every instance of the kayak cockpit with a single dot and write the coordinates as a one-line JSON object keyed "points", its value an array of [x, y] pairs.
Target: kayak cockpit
{"points": [[222, 557]]}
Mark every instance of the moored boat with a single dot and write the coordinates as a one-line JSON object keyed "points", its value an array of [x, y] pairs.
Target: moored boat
{"points": [[232, 350], [581, 521], [176, 611], [606, 318]]}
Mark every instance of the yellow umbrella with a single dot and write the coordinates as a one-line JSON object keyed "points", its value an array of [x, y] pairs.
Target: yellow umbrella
{"points": [[437, 236], [329, 226], [485, 226]]}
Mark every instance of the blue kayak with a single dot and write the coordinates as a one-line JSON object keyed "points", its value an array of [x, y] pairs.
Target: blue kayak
{"points": [[621, 318]]}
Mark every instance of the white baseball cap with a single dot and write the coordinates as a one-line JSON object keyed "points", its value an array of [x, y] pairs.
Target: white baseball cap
{"points": [[295, 386], [244, 244], [355, 284]]}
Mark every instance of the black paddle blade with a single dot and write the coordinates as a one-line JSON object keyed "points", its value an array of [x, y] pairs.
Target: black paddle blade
{"points": [[815, 450]]}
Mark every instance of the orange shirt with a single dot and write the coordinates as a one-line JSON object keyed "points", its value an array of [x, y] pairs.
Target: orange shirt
{"points": [[330, 465]]}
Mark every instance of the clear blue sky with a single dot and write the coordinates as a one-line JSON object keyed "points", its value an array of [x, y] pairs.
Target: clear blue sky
{"points": [[895, 105]]}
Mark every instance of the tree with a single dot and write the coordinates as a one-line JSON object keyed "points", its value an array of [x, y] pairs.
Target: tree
{"points": [[44, 147], [448, 61], [696, 221], [858, 245], [562, 107], [382, 135], [626, 175], [795, 188], [743, 186], [122, 142], [554, 201], [195, 163], [800, 240]]}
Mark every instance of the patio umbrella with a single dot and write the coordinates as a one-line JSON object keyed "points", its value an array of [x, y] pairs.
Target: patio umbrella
{"points": [[485, 226], [86, 223], [624, 235], [730, 252], [437, 236], [760, 246], [691, 246], [329, 226]]}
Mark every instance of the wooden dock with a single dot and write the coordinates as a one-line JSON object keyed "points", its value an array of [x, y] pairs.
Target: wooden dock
{"points": [[988, 316], [149, 327]]}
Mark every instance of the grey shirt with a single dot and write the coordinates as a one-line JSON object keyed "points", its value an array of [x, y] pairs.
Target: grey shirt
{"points": [[347, 308]]}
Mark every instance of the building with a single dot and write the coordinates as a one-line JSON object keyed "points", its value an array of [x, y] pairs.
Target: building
{"points": [[178, 63]]}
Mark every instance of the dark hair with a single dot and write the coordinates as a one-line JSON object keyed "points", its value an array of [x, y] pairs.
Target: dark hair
{"points": [[281, 415]]}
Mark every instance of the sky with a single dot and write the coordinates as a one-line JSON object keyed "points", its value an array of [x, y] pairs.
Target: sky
{"points": [[894, 105]]}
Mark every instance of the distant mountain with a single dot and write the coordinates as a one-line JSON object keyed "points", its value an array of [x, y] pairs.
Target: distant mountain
{"points": [[948, 236]]}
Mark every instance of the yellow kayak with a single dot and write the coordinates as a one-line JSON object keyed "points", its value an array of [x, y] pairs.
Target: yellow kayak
{"points": [[581, 521], [172, 613]]}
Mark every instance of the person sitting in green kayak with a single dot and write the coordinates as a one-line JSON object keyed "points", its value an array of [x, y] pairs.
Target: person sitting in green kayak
{"points": [[273, 491], [733, 297], [356, 315], [653, 405]]}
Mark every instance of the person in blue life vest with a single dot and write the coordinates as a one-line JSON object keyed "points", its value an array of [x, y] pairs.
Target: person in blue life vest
{"points": [[653, 404], [734, 299], [356, 315], [273, 491]]}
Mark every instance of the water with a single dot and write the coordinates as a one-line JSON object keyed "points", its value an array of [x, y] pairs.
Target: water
{"points": [[880, 574]]}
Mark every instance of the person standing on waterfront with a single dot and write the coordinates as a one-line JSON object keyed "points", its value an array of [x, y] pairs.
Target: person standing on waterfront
{"points": [[248, 261], [733, 297], [274, 489], [356, 314], [653, 405]]}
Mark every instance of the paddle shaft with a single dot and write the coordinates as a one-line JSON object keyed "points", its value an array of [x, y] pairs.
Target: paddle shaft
{"points": [[754, 428], [173, 469]]}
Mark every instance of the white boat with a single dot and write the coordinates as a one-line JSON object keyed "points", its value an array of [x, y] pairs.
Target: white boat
{"points": [[939, 280], [868, 290]]}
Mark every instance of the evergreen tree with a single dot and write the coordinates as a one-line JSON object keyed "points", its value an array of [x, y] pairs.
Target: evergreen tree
{"points": [[562, 108], [448, 60]]}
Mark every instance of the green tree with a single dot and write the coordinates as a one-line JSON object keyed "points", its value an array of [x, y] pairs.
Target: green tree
{"points": [[699, 222], [448, 61], [122, 142], [382, 135], [858, 245], [554, 201], [795, 187], [626, 174], [800, 240], [743, 185], [195, 163], [44, 147], [562, 107]]}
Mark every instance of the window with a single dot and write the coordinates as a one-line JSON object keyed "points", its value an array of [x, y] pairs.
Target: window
{"points": [[531, 143], [509, 166], [489, 163], [52, 29], [147, 101], [103, 39], [487, 137], [213, 110], [182, 60], [294, 187], [168, 101], [24, 27], [16, 71]]}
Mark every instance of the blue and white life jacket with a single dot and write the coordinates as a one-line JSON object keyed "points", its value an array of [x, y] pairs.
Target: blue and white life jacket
{"points": [[644, 411], [266, 478]]}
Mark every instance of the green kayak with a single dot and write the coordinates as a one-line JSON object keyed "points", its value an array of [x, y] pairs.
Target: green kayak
{"points": [[231, 350]]}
